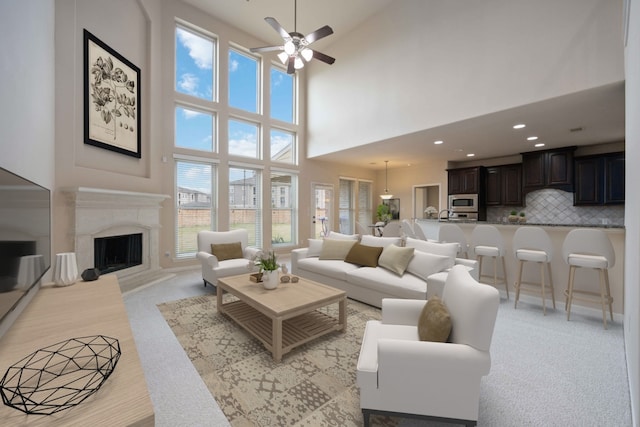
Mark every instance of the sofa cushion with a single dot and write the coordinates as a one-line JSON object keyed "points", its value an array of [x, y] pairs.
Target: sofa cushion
{"points": [[395, 258], [224, 251], [336, 248], [315, 247], [363, 255], [335, 269], [424, 264], [434, 323], [336, 235], [380, 279], [380, 241], [446, 249]]}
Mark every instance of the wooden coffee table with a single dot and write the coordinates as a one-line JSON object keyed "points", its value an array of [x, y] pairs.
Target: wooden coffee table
{"points": [[285, 317]]}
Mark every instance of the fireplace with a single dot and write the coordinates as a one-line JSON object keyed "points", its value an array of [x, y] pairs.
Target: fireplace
{"points": [[106, 216], [115, 253]]}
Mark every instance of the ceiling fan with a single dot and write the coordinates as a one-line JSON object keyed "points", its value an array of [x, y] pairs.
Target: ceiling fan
{"points": [[295, 50]]}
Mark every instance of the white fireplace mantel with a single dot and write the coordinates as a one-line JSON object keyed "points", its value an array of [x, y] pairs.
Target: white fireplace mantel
{"points": [[102, 212]]}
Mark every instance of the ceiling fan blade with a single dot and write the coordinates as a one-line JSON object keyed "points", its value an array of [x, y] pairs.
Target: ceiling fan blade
{"points": [[276, 26], [291, 65], [266, 48], [322, 57], [319, 33]]}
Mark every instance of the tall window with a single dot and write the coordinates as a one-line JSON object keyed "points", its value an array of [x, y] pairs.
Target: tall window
{"points": [[243, 81], [283, 208], [195, 54], [245, 203], [258, 117], [194, 206], [365, 212], [347, 206]]}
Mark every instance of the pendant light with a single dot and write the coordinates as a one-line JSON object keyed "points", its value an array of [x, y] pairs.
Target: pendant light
{"points": [[386, 195]]}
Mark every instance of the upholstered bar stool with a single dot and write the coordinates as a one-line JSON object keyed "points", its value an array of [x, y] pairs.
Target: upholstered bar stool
{"points": [[487, 241], [589, 248], [449, 233], [532, 244]]}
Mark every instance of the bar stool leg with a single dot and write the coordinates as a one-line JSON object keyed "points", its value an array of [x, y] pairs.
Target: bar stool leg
{"points": [[504, 272], [518, 281], [603, 297], [479, 259], [567, 306], [553, 297], [495, 272], [544, 297], [606, 278]]}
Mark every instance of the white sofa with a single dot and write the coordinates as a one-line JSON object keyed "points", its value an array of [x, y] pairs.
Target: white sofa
{"points": [[424, 277]]}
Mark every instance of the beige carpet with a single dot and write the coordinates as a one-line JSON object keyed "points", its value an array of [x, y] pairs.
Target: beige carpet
{"points": [[314, 385]]}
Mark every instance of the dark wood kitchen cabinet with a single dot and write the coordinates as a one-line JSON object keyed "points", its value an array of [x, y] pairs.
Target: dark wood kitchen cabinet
{"points": [[548, 169], [599, 179], [464, 180], [503, 185]]}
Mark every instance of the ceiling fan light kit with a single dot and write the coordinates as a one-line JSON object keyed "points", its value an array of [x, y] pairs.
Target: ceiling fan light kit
{"points": [[294, 51]]}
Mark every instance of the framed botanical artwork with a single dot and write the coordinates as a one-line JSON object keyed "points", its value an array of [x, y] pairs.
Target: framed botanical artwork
{"points": [[111, 99]]}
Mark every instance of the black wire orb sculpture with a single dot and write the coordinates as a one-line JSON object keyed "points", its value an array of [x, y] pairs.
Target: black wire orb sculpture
{"points": [[61, 375]]}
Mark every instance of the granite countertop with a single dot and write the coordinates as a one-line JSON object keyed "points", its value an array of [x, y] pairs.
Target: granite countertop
{"points": [[466, 221]]}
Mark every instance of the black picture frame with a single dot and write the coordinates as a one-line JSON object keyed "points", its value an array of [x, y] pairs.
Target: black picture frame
{"points": [[111, 99], [394, 208]]}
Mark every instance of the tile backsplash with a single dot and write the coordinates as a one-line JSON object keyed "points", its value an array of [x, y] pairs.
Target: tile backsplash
{"points": [[550, 206]]}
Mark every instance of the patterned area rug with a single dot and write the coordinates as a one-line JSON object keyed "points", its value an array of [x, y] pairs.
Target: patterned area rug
{"points": [[314, 385]]}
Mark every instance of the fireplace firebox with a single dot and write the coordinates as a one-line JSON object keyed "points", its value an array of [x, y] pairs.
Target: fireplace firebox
{"points": [[115, 253]]}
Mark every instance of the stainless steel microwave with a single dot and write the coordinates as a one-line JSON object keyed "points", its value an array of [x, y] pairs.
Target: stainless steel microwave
{"points": [[463, 203]]}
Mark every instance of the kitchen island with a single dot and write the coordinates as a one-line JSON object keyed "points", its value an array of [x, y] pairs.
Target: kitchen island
{"points": [[585, 279]]}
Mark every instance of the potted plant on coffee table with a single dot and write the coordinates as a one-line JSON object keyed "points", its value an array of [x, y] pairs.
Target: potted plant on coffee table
{"points": [[268, 266]]}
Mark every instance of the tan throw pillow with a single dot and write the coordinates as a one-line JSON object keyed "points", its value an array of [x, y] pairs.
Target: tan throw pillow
{"points": [[363, 255], [395, 259], [434, 323], [224, 251], [336, 248]]}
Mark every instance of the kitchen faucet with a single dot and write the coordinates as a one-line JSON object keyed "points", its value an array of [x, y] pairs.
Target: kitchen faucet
{"points": [[440, 215]]}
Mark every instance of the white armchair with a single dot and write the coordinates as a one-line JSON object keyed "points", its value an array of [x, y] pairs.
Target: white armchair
{"points": [[399, 375], [212, 268]]}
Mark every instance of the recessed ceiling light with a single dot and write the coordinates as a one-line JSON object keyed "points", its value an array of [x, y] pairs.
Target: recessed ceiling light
{"points": [[532, 138], [470, 155], [438, 142], [519, 126], [540, 144]]}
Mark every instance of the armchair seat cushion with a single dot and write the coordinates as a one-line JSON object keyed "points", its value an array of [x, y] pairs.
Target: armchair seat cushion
{"points": [[232, 267]]}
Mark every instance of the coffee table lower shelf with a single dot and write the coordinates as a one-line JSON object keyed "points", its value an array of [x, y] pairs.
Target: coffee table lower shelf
{"points": [[295, 331]]}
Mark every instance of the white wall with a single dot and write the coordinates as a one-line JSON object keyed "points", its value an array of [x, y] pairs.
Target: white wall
{"points": [[27, 86], [132, 29], [632, 207], [419, 64]]}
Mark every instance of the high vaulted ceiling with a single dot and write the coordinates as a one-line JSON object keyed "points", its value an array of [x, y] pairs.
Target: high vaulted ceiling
{"points": [[584, 118]]}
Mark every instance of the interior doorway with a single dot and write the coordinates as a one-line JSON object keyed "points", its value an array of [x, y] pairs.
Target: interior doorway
{"points": [[321, 208], [426, 200]]}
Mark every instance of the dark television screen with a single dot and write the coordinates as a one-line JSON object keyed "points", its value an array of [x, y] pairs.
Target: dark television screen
{"points": [[25, 238]]}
